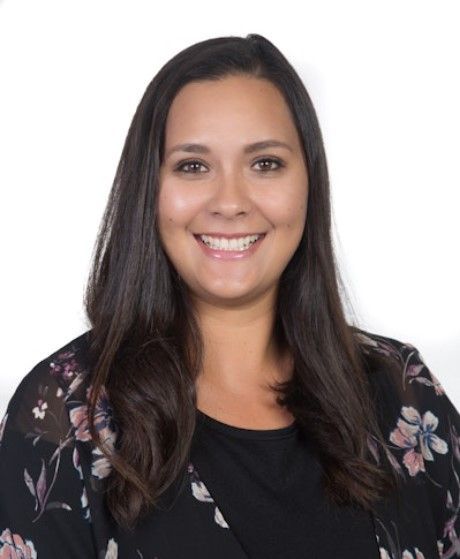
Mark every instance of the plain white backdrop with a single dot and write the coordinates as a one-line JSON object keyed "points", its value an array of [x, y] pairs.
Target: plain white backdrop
{"points": [[383, 77]]}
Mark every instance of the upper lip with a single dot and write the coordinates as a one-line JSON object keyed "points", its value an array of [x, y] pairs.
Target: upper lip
{"points": [[228, 235]]}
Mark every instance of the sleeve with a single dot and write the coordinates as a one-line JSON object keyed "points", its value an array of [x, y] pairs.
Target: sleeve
{"points": [[449, 427], [438, 422], [43, 504]]}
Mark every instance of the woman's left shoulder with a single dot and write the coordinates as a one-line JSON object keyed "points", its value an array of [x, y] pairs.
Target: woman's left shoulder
{"points": [[410, 374], [421, 426]]}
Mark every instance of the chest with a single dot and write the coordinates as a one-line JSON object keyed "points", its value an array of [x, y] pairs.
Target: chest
{"points": [[230, 504]]}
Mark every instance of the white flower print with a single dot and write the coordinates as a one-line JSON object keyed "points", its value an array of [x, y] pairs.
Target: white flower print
{"points": [[218, 517], [112, 550], [201, 492], [39, 410]]}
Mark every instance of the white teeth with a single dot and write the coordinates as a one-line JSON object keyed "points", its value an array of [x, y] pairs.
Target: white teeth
{"points": [[241, 243]]}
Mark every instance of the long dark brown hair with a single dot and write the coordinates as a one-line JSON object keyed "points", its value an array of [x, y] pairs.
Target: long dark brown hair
{"points": [[147, 346]]}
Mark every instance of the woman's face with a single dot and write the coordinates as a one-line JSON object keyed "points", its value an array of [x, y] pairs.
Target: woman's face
{"points": [[225, 187]]}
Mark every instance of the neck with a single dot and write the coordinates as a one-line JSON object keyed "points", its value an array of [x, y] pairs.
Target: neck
{"points": [[241, 354]]}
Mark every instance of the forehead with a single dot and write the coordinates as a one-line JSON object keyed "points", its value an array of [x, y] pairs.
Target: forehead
{"points": [[242, 106]]}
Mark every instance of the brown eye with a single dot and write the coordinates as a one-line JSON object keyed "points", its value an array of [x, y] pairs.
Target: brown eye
{"points": [[270, 160], [191, 162]]}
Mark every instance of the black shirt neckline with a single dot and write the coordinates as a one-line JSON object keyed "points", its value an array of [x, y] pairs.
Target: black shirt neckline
{"points": [[239, 432]]}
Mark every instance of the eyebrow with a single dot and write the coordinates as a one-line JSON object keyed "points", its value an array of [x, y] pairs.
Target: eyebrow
{"points": [[249, 148]]}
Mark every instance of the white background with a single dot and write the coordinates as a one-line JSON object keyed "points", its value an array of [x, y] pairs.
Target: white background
{"points": [[385, 83]]}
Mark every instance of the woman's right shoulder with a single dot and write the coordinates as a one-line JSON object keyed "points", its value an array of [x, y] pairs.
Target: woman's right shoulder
{"points": [[54, 380]]}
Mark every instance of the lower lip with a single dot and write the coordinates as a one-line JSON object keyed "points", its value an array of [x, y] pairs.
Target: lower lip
{"points": [[230, 254]]}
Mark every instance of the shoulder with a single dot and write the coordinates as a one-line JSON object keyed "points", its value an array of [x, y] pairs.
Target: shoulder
{"points": [[418, 419], [407, 384], [421, 426], [48, 385], [406, 368], [41, 475], [50, 405], [403, 368], [379, 343]]}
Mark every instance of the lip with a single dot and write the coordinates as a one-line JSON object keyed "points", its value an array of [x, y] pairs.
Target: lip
{"points": [[230, 254]]}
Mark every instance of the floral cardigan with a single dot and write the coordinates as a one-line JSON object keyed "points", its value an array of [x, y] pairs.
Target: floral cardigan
{"points": [[52, 476]]}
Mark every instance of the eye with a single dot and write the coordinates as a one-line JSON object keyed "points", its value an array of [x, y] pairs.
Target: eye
{"points": [[182, 164], [271, 160]]}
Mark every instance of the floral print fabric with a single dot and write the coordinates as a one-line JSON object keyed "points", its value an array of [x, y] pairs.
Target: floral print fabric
{"points": [[52, 476], [422, 427]]}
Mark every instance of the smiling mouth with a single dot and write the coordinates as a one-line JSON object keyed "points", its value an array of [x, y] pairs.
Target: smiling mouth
{"points": [[230, 251], [226, 236]]}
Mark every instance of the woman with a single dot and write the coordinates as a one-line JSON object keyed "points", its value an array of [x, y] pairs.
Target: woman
{"points": [[220, 405]]}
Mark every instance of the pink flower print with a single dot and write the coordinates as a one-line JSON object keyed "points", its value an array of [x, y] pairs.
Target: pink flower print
{"points": [[455, 442], [101, 466], [438, 388], [413, 371], [453, 549], [414, 462], [68, 373], [39, 410], [413, 431], [449, 526], [408, 555], [105, 426], [79, 419], [379, 346], [12, 545], [65, 366]]}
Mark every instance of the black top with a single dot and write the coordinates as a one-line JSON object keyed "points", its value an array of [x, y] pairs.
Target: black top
{"points": [[267, 484], [244, 493]]}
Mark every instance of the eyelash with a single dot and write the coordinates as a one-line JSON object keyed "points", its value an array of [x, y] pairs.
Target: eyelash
{"points": [[190, 161]]}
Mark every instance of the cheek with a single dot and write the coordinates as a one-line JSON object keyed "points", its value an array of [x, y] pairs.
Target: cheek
{"points": [[287, 211], [176, 206]]}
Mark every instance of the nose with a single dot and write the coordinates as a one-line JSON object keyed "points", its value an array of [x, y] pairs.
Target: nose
{"points": [[230, 195]]}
